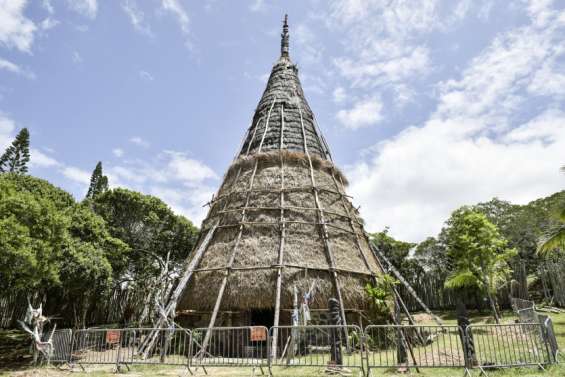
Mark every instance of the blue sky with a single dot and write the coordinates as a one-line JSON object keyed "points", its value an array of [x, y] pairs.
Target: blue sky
{"points": [[426, 105]]}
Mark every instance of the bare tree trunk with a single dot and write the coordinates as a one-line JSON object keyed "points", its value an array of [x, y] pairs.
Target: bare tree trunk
{"points": [[486, 283]]}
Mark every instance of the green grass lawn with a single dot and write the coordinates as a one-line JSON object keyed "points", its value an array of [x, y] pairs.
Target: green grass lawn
{"points": [[14, 346]]}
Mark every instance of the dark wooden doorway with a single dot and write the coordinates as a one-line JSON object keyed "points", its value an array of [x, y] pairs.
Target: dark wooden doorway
{"points": [[262, 317]]}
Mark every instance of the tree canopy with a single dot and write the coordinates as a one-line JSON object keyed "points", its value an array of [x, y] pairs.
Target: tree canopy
{"points": [[79, 253], [98, 182], [16, 156]]}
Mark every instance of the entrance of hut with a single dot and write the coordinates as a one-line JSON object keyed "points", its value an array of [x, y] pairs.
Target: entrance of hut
{"points": [[262, 317]]}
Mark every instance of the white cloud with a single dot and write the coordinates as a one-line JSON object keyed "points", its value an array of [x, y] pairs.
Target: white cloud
{"points": [[7, 126], [176, 9], [144, 75], [308, 50], [472, 148], [86, 8], [369, 73], [257, 5], [363, 114], [15, 29], [385, 43], [76, 174], [48, 23], [182, 182], [46, 4], [76, 57], [188, 170], [118, 152], [14, 68], [139, 141], [40, 159], [339, 94], [136, 17]]}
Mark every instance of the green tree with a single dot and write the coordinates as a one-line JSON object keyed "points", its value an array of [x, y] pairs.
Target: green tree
{"points": [[554, 239], [53, 246], [154, 234], [432, 256], [98, 182], [93, 260], [398, 253], [16, 156], [32, 235], [477, 252]]}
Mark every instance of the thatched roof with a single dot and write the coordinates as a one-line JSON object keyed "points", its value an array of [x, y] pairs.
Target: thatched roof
{"points": [[284, 89], [281, 217]]}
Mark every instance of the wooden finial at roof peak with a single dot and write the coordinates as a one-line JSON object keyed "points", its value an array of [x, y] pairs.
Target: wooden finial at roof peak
{"points": [[284, 37]]}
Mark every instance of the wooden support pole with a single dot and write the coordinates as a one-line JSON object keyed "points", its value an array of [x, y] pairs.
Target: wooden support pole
{"points": [[409, 288], [280, 259], [323, 229]]}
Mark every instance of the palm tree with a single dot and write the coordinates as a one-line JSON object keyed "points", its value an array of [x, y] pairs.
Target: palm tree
{"points": [[555, 238]]}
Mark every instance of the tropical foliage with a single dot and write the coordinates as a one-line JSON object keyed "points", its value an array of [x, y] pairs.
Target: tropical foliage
{"points": [[76, 255]]}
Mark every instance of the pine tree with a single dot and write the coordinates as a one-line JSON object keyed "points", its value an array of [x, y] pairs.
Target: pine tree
{"points": [[16, 156], [98, 182]]}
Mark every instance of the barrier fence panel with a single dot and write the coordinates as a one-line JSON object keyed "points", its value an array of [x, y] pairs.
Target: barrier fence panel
{"points": [[317, 346], [509, 345], [230, 346], [61, 342], [154, 346], [96, 346], [334, 348], [131, 346], [396, 346]]}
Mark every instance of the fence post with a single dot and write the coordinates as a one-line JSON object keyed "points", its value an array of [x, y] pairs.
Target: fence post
{"points": [[118, 353]]}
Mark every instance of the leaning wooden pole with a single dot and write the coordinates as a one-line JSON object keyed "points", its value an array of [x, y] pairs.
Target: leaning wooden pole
{"points": [[324, 229], [390, 267]]}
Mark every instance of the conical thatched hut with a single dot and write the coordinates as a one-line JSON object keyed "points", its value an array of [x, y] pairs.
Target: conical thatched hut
{"points": [[281, 219]]}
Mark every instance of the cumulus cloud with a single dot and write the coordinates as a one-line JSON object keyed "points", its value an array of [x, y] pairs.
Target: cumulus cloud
{"points": [[7, 126], [77, 175], [16, 30], [385, 43], [188, 170], [363, 114], [339, 94], [473, 146], [184, 183], [86, 8], [40, 159], [14, 68]]}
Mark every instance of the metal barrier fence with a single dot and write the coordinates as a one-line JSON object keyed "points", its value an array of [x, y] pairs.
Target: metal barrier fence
{"points": [[510, 345], [61, 345], [331, 347], [230, 346], [415, 346], [131, 346]]}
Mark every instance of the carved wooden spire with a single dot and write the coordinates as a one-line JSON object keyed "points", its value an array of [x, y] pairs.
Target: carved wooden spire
{"points": [[284, 37]]}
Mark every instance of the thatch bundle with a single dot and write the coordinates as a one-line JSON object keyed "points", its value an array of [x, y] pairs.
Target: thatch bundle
{"points": [[281, 217], [252, 280]]}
